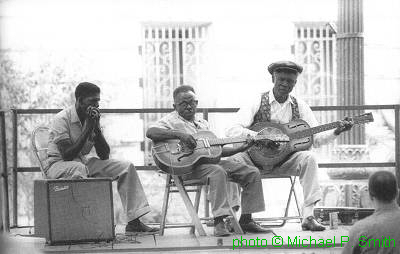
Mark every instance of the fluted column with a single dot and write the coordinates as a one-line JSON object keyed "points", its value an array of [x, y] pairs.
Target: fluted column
{"points": [[350, 64]]}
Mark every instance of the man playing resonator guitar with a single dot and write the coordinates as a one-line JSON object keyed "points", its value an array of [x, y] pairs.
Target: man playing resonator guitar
{"points": [[182, 124], [279, 107]]}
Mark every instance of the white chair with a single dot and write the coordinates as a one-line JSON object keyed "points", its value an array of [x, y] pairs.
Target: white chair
{"points": [[39, 141]]}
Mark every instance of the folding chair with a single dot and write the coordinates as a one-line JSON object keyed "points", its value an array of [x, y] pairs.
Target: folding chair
{"points": [[175, 184], [39, 142], [292, 191]]}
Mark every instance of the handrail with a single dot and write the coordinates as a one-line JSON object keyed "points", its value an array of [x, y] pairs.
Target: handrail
{"points": [[210, 110], [4, 214], [205, 111]]}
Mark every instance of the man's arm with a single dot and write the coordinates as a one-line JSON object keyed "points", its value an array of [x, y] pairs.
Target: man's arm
{"points": [[68, 150], [229, 151], [322, 138], [159, 134], [100, 143], [244, 118]]}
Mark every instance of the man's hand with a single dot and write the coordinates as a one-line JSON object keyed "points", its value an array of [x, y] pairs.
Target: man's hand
{"points": [[267, 143], [250, 141], [93, 119], [246, 145], [188, 140], [344, 125], [89, 123], [93, 112]]}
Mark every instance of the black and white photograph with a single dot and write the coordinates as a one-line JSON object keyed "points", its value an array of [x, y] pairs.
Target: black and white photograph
{"points": [[201, 126]]}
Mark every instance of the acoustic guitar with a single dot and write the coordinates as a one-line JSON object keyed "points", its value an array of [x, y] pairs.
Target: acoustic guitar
{"points": [[174, 157], [300, 138]]}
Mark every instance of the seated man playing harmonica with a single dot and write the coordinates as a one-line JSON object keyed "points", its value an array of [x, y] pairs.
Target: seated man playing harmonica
{"points": [[73, 133]]}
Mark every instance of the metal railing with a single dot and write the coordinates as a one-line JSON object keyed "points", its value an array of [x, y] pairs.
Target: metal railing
{"points": [[15, 169]]}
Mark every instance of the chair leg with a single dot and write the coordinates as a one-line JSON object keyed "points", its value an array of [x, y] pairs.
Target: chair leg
{"points": [[235, 224], [285, 216], [189, 206], [196, 204], [296, 200], [165, 204], [206, 201]]}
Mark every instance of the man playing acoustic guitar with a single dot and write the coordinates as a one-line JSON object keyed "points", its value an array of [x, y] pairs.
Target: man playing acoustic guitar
{"points": [[279, 107], [182, 124]]}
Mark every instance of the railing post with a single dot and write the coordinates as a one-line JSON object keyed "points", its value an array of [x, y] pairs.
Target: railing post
{"points": [[206, 200], [205, 114], [4, 216], [15, 166], [397, 143]]}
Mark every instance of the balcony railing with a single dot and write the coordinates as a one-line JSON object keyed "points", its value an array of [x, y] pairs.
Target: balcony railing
{"points": [[14, 169]]}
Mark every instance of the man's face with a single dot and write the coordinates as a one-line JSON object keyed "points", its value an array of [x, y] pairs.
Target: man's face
{"points": [[284, 82], [91, 100], [185, 104]]}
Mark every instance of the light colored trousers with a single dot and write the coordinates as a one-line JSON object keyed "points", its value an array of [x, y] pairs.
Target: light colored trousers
{"points": [[218, 175], [302, 164], [130, 188]]}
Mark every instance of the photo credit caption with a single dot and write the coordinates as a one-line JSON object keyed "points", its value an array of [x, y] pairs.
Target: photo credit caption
{"points": [[291, 242]]}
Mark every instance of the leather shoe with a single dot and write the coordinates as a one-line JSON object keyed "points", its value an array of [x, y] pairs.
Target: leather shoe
{"points": [[310, 223], [220, 230], [229, 224], [254, 227], [139, 228]]}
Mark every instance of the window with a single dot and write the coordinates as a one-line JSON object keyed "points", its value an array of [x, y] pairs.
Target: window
{"points": [[172, 55]]}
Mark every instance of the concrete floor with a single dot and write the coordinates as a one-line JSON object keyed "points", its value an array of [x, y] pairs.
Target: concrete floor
{"points": [[180, 241]]}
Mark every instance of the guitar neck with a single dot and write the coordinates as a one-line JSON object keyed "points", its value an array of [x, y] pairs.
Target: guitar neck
{"points": [[311, 131], [325, 127], [224, 141]]}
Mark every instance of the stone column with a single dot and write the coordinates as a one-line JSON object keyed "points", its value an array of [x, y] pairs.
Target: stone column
{"points": [[350, 84], [350, 64]]}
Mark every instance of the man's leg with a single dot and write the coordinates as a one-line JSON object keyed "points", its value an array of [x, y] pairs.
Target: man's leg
{"points": [[304, 164], [68, 170], [249, 179], [234, 195], [220, 207], [130, 189]]}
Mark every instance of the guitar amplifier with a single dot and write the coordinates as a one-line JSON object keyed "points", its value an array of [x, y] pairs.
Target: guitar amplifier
{"points": [[68, 211]]}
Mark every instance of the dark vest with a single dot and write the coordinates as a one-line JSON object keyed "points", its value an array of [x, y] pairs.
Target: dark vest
{"points": [[264, 112]]}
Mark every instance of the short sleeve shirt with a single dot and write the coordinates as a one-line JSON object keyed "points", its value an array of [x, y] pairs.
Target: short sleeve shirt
{"points": [[173, 121], [66, 126]]}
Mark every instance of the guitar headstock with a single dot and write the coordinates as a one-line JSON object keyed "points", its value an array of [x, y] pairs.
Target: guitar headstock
{"points": [[364, 118]]}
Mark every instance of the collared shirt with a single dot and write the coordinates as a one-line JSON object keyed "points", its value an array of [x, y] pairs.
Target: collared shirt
{"points": [[378, 233], [66, 126], [173, 121], [280, 113]]}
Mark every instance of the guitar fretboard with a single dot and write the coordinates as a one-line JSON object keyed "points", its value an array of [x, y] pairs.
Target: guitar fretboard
{"points": [[223, 141], [329, 126], [311, 131]]}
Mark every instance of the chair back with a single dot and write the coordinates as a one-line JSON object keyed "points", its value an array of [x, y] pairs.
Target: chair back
{"points": [[40, 140]]}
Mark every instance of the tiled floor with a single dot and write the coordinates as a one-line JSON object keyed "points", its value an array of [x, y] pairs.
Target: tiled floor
{"points": [[284, 240]]}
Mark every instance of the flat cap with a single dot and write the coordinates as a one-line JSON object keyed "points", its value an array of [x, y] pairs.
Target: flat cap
{"points": [[288, 65]]}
